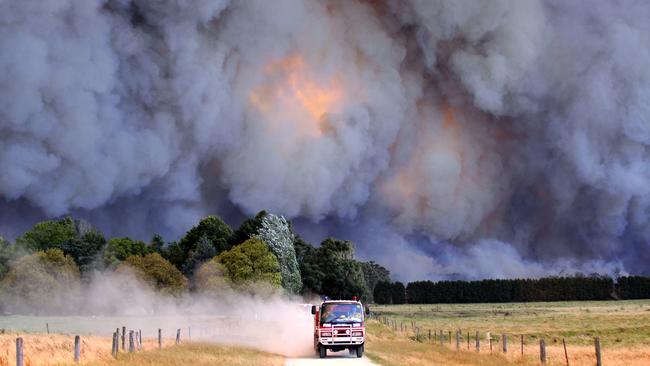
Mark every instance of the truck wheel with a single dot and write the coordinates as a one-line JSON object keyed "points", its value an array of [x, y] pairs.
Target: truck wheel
{"points": [[322, 352], [360, 351]]}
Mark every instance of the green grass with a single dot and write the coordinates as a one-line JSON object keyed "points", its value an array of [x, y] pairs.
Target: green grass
{"points": [[617, 323]]}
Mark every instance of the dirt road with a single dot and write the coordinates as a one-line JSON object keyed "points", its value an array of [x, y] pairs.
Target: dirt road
{"points": [[333, 358]]}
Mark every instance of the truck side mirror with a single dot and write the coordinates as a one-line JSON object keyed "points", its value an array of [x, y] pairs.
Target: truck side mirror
{"points": [[313, 309]]}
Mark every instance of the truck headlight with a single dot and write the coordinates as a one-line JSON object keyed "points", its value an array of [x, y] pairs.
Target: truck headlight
{"points": [[326, 334], [357, 334]]}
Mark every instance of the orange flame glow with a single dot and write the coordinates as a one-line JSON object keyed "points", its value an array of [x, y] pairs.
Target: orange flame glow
{"points": [[293, 92]]}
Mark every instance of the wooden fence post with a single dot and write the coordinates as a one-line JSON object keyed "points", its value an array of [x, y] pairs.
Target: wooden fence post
{"points": [[505, 343], [47, 326], [522, 345], [178, 336], [478, 342], [159, 338], [468, 341], [599, 361], [116, 344], [123, 338], [542, 351], [131, 342], [139, 339], [20, 359], [566, 355], [429, 334], [457, 339], [77, 348]]}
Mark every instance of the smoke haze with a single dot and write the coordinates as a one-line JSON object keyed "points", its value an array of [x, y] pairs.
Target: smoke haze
{"points": [[446, 138]]}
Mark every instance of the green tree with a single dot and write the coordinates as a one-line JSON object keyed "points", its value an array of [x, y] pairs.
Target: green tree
{"points": [[119, 249], [157, 244], [251, 262], [383, 293], [76, 238], [157, 272], [204, 251], [248, 229], [276, 232], [45, 282], [343, 276], [373, 273], [398, 293], [213, 228], [307, 257]]}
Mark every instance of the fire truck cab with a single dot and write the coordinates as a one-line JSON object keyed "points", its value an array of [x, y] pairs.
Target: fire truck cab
{"points": [[339, 324]]}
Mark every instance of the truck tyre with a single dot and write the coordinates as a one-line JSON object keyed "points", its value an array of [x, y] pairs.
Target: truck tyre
{"points": [[360, 351], [322, 351]]}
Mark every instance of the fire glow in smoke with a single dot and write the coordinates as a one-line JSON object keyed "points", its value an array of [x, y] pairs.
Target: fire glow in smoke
{"points": [[438, 135]]}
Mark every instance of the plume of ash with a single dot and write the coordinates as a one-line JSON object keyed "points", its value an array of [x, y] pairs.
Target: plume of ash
{"points": [[523, 122], [268, 322]]}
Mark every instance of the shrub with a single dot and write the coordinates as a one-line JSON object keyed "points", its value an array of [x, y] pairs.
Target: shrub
{"points": [[46, 282], [157, 272]]}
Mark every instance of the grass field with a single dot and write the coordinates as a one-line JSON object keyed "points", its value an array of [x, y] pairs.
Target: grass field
{"points": [[623, 328], [57, 350]]}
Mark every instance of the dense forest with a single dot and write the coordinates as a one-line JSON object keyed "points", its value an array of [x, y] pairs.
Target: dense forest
{"points": [[572, 288], [262, 255]]}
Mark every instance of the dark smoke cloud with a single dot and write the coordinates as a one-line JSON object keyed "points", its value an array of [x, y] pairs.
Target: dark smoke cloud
{"points": [[448, 138]]}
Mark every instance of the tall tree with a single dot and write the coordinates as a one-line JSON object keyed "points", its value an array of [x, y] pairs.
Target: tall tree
{"points": [[276, 233], [204, 252], [154, 270], [119, 249], [213, 228], [374, 273]]}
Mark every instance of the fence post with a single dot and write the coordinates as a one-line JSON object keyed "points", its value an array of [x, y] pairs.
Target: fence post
{"points": [[131, 342], [457, 340], [522, 345], [429, 334], [178, 336], [566, 355], [123, 338], [159, 338], [442, 337], [116, 344], [47, 326], [478, 342], [468, 341], [599, 361], [505, 343], [77, 349], [20, 360], [542, 351]]}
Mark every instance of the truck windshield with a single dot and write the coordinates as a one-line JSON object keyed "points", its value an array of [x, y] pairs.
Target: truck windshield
{"points": [[341, 313]]}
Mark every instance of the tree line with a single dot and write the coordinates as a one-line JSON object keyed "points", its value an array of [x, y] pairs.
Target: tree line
{"points": [[568, 288], [262, 255]]}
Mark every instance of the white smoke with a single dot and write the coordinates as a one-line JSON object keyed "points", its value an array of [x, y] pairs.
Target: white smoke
{"points": [[520, 121]]}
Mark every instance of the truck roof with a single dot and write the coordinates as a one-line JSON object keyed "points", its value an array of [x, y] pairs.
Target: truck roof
{"points": [[341, 302]]}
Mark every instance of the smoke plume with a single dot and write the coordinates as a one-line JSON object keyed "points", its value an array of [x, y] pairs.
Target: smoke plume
{"points": [[469, 133]]}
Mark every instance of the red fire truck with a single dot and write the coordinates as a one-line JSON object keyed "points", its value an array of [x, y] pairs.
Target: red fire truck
{"points": [[339, 324]]}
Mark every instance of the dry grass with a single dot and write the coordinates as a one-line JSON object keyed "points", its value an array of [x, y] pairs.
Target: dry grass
{"points": [[623, 327], [196, 354], [56, 349], [52, 349]]}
